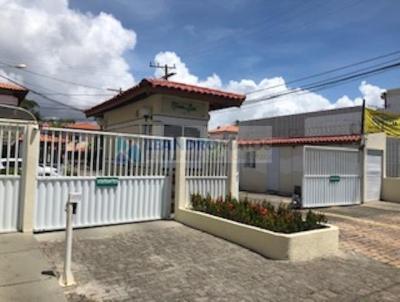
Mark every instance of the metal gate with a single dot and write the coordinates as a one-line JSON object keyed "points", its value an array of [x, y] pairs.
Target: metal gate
{"points": [[11, 136], [207, 167], [374, 175], [122, 177], [331, 176]]}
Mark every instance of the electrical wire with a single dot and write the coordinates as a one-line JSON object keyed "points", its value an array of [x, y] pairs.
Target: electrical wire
{"points": [[327, 72], [52, 78], [42, 95]]}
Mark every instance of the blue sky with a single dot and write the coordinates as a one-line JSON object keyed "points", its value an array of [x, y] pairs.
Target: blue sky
{"points": [[258, 39], [237, 45]]}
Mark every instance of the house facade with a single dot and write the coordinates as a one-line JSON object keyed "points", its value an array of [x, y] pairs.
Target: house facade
{"points": [[321, 155], [229, 132], [163, 108]]}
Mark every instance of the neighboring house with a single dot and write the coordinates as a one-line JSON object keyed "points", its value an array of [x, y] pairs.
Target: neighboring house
{"points": [[91, 126], [11, 94], [224, 132], [162, 107], [392, 100], [273, 157]]}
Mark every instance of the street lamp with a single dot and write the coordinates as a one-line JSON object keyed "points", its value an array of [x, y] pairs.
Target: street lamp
{"points": [[18, 66]]}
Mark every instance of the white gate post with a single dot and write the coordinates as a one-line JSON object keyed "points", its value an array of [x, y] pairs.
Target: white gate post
{"points": [[180, 177], [233, 176], [28, 177]]}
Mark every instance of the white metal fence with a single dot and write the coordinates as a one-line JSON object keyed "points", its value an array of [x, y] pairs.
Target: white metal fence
{"points": [[78, 161], [331, 176], [207, 167], [11, 138]]}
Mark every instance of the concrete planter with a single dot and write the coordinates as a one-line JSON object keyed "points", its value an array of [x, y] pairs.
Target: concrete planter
{"points": [[295, 247]]}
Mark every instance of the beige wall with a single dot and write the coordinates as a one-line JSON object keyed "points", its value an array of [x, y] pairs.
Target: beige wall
{"points": [[391, 189], [253, 179], [299, 246], [164, 110], [289, 173]]}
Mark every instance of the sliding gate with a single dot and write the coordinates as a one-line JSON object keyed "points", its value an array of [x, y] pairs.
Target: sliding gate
{"points": [[331, 176], [122, 177]]}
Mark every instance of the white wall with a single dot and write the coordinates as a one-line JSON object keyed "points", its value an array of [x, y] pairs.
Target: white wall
{"points": [[285, 174], [393, 101]]}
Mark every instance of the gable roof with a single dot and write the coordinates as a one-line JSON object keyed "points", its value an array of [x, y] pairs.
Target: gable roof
{"points": [[217, 99]]}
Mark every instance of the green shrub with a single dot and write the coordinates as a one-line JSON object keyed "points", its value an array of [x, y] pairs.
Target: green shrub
{"points": [[282, 219]]}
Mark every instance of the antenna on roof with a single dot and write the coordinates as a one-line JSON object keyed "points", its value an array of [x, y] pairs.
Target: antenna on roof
{"points": [[166, 68]]}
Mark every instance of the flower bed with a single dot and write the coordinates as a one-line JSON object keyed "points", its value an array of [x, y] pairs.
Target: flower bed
{"points": [[282, 219]]}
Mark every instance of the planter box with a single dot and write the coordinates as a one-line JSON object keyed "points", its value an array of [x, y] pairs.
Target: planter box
{"points": [[295, 247]]}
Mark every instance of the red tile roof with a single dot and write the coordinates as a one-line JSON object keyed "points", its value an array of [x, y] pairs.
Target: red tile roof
{"points": [[333, 139], [84, 126], [196, 89], [218, 99], [226, 128], [11, 86]]}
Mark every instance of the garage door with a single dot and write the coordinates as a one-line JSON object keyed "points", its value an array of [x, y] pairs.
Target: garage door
{"points": [[374, 174]]}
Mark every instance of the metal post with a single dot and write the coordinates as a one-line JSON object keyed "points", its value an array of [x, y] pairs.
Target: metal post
{"points": [[67, 279]]}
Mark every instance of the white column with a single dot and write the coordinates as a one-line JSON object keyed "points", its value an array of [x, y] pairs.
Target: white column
{"points": [[28, 177], [180, 177], [233, 176]]}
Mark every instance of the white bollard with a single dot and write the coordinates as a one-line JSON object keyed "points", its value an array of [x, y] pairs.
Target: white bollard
{"points": [[67, 279]]}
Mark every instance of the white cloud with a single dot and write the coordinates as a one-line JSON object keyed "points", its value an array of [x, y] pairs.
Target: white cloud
{"points": [[288, 104], [55, 40], [60, 42], [182, 71]]}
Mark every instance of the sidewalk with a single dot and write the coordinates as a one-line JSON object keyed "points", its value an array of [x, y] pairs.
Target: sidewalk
{"points": [[21, 267]]}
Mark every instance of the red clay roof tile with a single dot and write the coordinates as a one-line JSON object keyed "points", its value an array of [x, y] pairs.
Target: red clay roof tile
{"points": [[333, 139]]}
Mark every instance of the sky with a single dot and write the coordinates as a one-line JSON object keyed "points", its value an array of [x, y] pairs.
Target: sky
{"points": [[236, 45]]}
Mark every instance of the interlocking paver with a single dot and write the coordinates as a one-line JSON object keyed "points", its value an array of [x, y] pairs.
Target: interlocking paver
{"points": [[371, 230], [166, 261]]}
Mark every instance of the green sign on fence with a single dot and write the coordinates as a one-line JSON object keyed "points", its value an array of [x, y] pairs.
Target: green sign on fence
{"points": [[334, 178], [107, 182]]}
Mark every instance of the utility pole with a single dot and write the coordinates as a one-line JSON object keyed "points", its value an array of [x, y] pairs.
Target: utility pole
{"points": [[166, 68]]}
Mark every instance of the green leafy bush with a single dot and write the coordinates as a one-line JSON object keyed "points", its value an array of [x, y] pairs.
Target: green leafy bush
{"points": [[282, 219]]}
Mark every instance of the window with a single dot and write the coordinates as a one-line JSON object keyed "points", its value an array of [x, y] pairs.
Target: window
{"points": [[172, 131], [250, 160], [191, 132]]}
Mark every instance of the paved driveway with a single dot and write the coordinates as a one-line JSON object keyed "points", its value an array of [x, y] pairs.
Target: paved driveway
{"points": [[166, 261], [372, 229]]}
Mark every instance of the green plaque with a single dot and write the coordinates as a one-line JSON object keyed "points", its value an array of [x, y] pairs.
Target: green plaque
{"points": [[106, 182], [334, 178]]}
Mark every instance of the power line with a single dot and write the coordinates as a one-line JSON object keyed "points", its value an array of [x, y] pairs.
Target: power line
{"points": [[53, 78], [327, 72], [336, 80], [324, 81], [311, 89], [42, 95]]}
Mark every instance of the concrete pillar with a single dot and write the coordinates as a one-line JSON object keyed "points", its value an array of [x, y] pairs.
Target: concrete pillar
{"points": [[233, 174], [180, 177], [28, 184]]}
